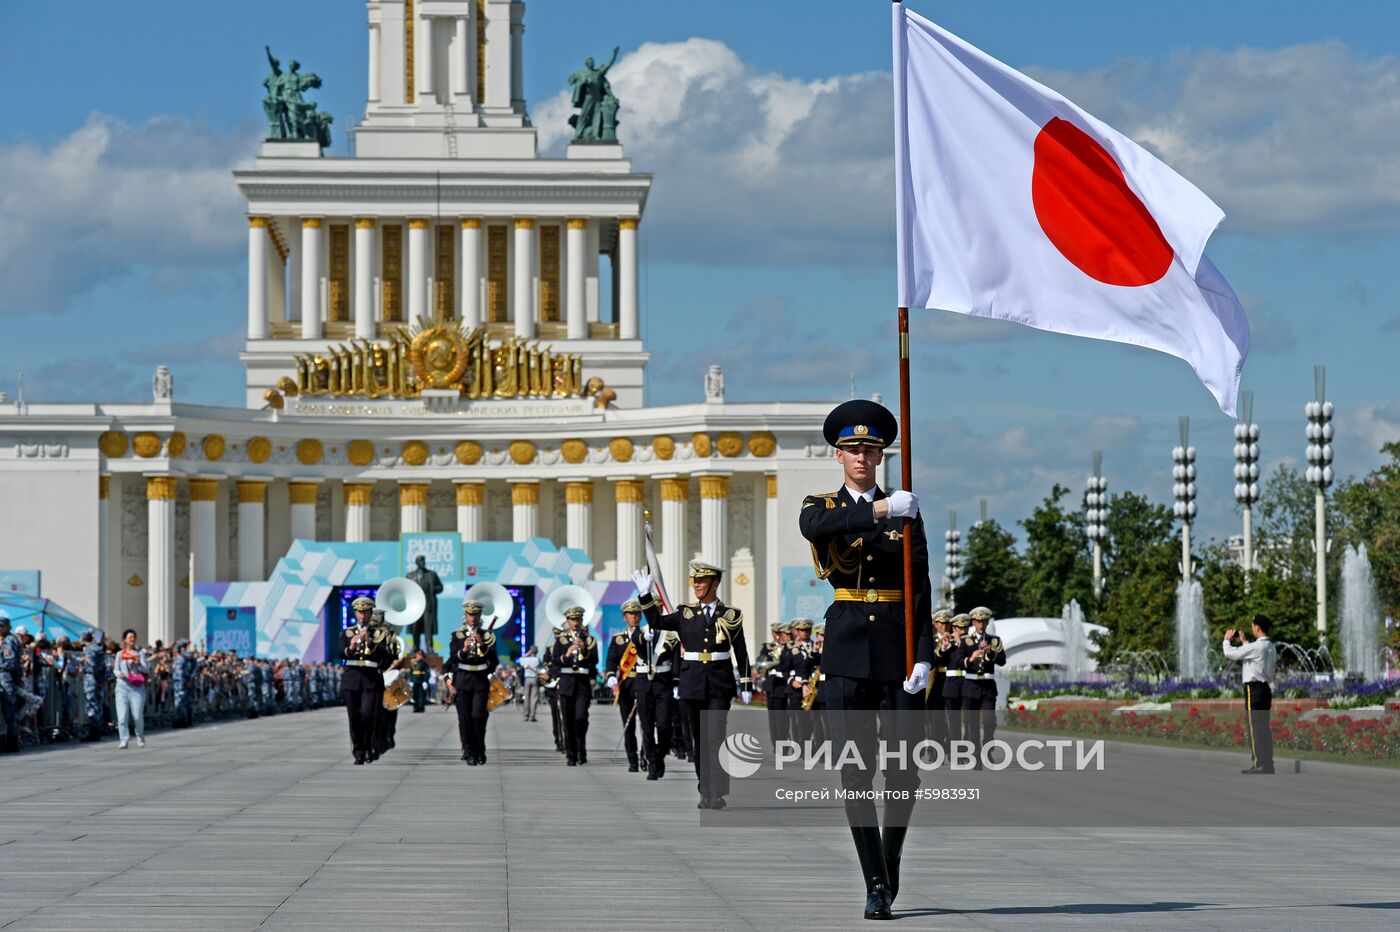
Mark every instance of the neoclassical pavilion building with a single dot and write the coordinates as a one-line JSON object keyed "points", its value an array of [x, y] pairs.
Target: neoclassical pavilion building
{"points": [[443, 334]]}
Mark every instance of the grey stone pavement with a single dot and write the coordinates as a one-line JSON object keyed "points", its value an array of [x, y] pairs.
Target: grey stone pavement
{"points": [[266, 824]]}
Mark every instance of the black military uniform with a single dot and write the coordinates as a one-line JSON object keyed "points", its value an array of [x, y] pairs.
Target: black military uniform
{"points": [[574, 665], [768, 673], [386, 721], [862, 555], [941, 722], [550, 684], [472, 658], [798, 669], [979, 685], [627, 685], [418, 675], [656, 682], [366, 651], [710, 635]]}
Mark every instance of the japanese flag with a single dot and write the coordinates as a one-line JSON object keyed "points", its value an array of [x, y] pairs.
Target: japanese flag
{"points": [[1013, 203]]}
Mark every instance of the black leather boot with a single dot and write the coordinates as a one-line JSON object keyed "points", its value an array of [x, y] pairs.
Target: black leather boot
{"points": [[892, 841], [872, 869]]}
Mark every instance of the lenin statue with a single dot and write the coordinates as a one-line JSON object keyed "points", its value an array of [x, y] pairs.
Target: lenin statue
{"points": [[424, 628]]}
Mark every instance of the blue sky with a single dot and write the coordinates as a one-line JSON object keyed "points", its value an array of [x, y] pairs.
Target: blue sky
{"points": [[768, 239]]}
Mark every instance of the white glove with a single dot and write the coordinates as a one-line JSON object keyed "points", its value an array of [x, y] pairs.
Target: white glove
{"points": [[747, 696], [612, 681], [903, 504], [647, 633], [918, 680], [675, 692], [643, 581]]}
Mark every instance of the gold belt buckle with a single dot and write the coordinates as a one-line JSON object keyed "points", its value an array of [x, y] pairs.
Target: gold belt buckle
{"points": [[704, 656], [872, 595]]}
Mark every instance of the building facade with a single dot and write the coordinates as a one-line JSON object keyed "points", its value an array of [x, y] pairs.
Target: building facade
{"points": [[443, 334]]}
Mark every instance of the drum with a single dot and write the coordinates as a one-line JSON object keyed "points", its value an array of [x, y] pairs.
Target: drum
{"points": [[499, 694], [397, 693]]}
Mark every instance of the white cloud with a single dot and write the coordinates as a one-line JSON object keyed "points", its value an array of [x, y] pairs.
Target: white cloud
{"points": [[750, 167], [112, 198]]}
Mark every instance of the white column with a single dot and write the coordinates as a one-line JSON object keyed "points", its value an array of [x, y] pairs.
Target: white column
{"points": [[498, 56], [575, 296], [627, 279], [423, 51], [311, 278], [418, 251], [204, 524], [517, 58], [374, 63], [525, 510], [252, 529], [303, 504], [469, 282], [160, 558], [714, 524], [630, 556], [675, 494], [413, 507], [471, 511], [358, 496], [257, 278], [773, 566], [460, 89], [522, 297], [104, 533], [578, 515], [364, 278]]}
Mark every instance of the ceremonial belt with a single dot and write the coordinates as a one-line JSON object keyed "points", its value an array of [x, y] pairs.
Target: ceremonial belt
{"points": [[473, 667], [939, 670], [361, 663], [659, 668], [869, 595], [574, 670], [980, 676], [704, 656], [956, 672]]}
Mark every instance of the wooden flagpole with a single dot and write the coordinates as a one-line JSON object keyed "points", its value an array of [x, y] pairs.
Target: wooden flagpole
{"points": [[906, 481]]}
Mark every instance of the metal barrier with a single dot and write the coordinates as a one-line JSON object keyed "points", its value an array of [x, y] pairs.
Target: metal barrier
{"points": [[52, 706]]}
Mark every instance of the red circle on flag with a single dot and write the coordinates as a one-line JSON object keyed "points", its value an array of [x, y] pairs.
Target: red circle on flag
{"points": [[1085, 207]]}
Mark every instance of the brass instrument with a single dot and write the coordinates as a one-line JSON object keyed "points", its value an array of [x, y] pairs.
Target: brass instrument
{"points": [[811, 688]]}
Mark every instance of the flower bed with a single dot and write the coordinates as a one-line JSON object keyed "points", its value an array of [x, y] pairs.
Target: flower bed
{"points": [[1332, 735]]}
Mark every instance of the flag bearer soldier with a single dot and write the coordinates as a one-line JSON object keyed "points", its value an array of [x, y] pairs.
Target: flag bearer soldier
{"points": [[982, 654], [857, 543], [473, 657], [622, 675], [712, 639], [575, 666]]}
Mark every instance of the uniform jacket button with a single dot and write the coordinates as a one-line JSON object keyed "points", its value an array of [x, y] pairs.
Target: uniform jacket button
{"points": [[872, 617], [870, 557]]}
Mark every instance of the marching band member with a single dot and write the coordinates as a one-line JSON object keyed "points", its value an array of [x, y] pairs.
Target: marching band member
{"points": [[575, 666], [472, 654], [625, 680], [366, 654], [710, 634]]}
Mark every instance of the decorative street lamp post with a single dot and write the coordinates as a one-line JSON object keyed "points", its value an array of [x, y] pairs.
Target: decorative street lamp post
{"points": [[1095, 516], [952, 559], [1319, 475], [1184, 490], [1247, 474]]}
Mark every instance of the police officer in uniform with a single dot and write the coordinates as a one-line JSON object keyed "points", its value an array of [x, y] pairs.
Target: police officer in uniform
{"points": [[11, 676], [575, 666], [474, 659], [627, 685], [362, 684], [982, 654], [418, 674], [856, 535], [710, 635], [656, 682]]}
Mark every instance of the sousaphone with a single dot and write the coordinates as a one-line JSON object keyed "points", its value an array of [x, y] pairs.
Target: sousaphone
{"points": [[566, 596], [497, 604], [402, 601]]}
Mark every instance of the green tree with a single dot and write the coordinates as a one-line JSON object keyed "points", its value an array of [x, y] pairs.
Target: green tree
{"points": [[1287, 600], [992, 570], [1142, 567], [1285, 531], [1056, 561], [1369, 513]]}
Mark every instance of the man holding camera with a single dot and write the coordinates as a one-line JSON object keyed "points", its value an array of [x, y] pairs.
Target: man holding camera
{"points": [[1259, 657]]}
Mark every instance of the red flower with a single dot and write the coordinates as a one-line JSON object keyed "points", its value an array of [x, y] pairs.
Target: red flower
{"points": [[1021, 707]]}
